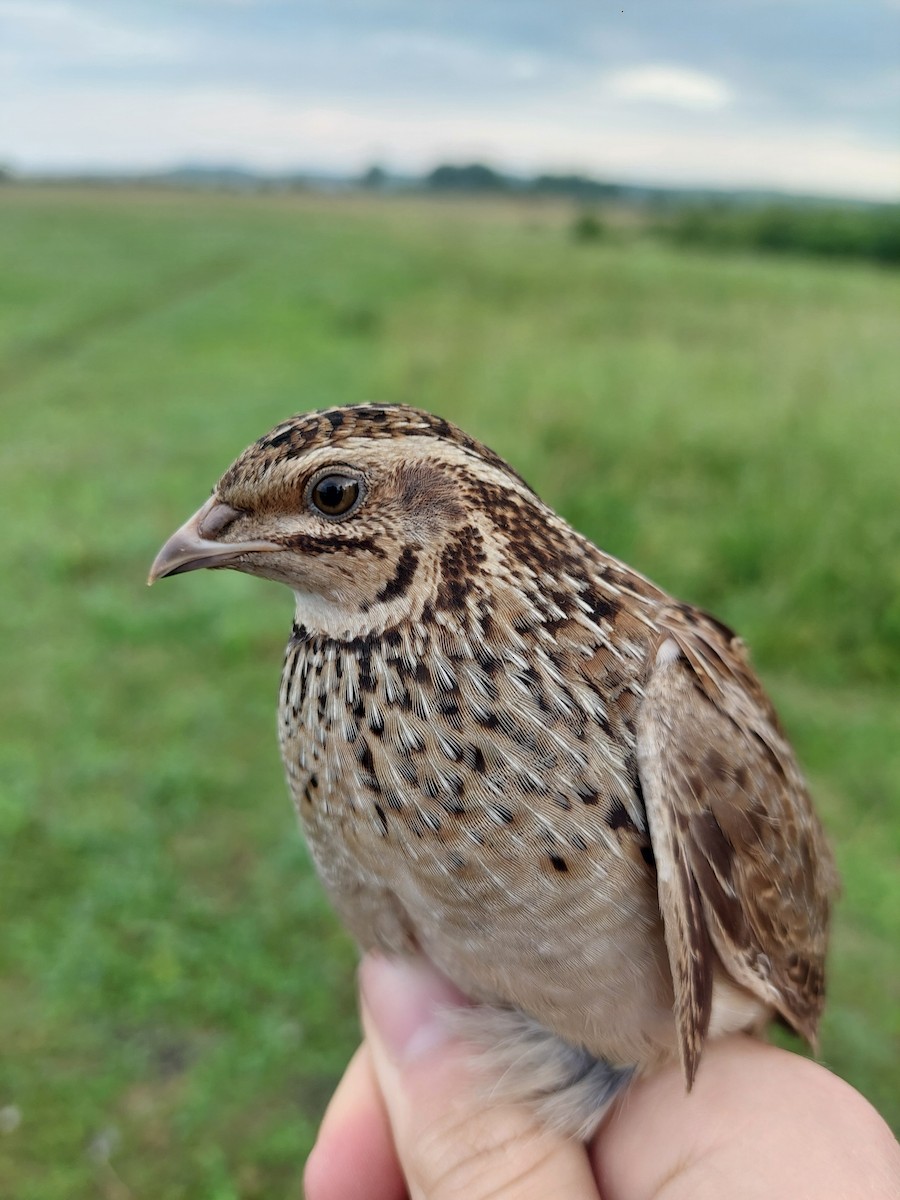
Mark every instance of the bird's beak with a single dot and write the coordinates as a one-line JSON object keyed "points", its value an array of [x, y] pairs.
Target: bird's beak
{"points": [[194, 546]]}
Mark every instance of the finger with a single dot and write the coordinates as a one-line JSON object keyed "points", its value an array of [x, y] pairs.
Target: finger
{"points": [[759, 1121], [354, 1156], [452, 1143]]}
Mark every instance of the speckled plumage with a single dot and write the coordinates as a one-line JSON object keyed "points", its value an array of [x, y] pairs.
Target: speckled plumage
{"points": [[513, 753]]}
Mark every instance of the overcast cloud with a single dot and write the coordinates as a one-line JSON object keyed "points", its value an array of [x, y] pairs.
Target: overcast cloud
{"points": [[773, 93]]}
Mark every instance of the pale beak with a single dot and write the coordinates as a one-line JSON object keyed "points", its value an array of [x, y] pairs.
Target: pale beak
{"points": [[194, 546]]}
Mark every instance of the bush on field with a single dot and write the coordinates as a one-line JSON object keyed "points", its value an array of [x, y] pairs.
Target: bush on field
{"points": [[588, 227], [870, 233]]}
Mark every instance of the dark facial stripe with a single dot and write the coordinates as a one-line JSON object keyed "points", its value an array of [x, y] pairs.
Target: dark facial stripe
{"points": [[309, 544], [403, 576]]}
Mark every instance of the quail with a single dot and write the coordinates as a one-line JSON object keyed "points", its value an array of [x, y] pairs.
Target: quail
{"points": [[514, 754]]}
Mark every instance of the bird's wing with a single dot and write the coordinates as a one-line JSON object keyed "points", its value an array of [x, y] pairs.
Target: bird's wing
{"points": [[744, 871]]}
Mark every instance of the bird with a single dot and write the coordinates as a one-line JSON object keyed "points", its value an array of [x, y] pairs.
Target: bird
{"points": [[514, 754]]}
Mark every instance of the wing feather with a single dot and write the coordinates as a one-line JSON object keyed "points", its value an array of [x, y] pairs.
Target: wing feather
{"points": [[745, 873]]}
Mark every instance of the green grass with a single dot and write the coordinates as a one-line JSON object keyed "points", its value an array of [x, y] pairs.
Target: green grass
{"points": [[176, 999]]}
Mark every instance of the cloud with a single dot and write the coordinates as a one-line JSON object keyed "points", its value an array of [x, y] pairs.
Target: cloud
{"points": [[65, 33], [678, 87], [410, 52]]}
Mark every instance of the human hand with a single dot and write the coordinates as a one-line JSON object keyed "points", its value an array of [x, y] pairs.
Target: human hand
{"points": [[410, 1119]]}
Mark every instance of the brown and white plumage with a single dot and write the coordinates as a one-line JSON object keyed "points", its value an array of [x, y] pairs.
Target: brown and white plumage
{"points": [[510, 751]]}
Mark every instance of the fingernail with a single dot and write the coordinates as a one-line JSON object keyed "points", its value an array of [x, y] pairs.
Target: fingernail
{"points": [[405, 999]]}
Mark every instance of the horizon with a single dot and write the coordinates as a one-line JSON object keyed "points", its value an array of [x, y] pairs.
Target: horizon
{"points": [[511, 184]]}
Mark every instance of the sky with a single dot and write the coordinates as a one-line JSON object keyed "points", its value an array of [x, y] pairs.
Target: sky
{"points": [[800, 95]]}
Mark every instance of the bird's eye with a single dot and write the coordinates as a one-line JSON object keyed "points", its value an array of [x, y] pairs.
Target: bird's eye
{"points": [[335, 495]]}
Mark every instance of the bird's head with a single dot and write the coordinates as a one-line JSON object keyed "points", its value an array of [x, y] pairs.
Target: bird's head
{"points": [[366, 512]]}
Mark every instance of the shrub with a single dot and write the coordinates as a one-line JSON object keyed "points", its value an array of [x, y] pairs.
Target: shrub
{"points": [[828, 231], [588, 227]]}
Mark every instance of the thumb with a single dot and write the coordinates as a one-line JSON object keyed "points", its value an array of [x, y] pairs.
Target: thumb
{"points": [[452, 1142]]}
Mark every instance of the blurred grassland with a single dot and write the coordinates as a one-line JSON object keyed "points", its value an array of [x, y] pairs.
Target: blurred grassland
{"points": [[176, 1002]]}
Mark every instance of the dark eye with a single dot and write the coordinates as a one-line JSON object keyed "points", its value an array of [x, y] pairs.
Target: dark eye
{"points": [[335, 495]]}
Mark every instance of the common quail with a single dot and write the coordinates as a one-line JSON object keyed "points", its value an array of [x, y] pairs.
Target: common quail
{"points": [[516, 755]]}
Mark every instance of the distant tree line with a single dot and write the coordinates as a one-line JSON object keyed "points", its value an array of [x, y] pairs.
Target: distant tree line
{"points": [[478, 177], [740, 220], [829, 231]]}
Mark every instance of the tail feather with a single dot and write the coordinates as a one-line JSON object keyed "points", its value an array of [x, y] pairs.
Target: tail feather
{"points": [[569, 1089]]}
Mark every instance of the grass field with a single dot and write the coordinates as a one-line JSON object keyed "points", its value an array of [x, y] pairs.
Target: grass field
{"points": [[176, 1002]]}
